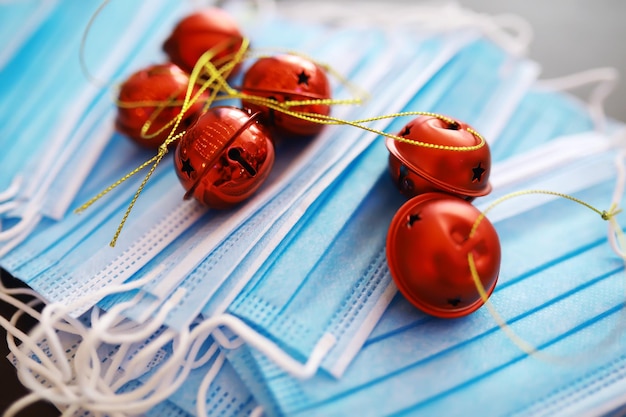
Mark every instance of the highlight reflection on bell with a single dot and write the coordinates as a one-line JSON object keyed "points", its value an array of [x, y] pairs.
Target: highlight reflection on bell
{"points": [[418, 169], [427, 252], [287, 78], [224, 157], [161, 85], [201, 31]]}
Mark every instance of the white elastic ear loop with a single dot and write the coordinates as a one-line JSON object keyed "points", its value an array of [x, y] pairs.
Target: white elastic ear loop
{"points": [[257, 412], [137, 365], [146, 354], [86, 360], [158, 388], [21, 404], [9, 206], [107, 330], [20, 231], [206, 356], [206, 383], [268, 347], [606, 79], [19, 238], [45, 366], [100, 332], [45, 370], [187, 352], [224, 341], [512, 32], [6, 294], [61, 392], [11, 191], [115, 364], [168, 377], [263, 7], [113, 331], [266, 7], [187, 347], [161, 384], [53, 313], [54, 343]]}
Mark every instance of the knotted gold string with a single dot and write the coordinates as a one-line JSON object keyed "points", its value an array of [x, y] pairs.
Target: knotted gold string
{"points": [[218, 84], [203, 62], [520, 342]]}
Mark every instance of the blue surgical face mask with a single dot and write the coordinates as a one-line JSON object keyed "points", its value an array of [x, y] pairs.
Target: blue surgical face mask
{"points": [[281, 295], [481, 76], [53, 238], [81, 240], [51, 158], [276, 381], [85, 252], [540, 117], [376, 159], [18, 20], [296, 296], [333, 150], [226, 395], [351, 325], [94, 150], [562, 292], [588, 144], [63, 83]]}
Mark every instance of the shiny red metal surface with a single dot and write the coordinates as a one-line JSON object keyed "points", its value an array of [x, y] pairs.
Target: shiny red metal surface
{"points": [[286, 78], [224, 157], [427, 252], [203, 30], [159, 85], [419, 169]]}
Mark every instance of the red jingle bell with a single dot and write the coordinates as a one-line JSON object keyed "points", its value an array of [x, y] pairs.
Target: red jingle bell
{"points": [[287, 78], [420, 169], [224, 157], [164, 83], [201, 31], [427, 252]]}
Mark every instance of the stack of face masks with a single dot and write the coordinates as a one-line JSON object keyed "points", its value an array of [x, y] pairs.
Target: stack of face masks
{"points": [[56, 121], [578, 163], [71, 258], [417, 365], [285, 304]]}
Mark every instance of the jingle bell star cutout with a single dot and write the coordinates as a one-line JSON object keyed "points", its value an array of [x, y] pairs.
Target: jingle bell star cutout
{"points": [[412, 219], [478, 172], [303, 78], [439, 155], [186, 167]]}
